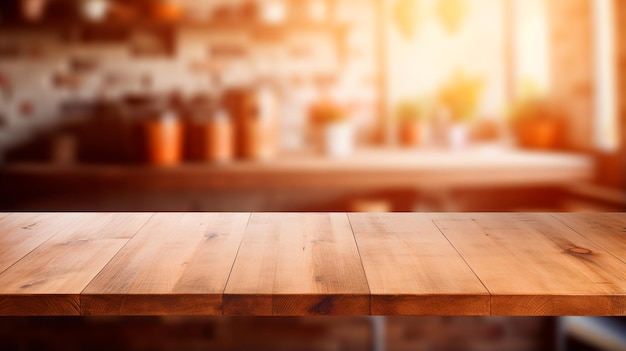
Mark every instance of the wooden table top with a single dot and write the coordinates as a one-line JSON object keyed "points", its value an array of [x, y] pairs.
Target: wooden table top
{"points": [[312, 264]]}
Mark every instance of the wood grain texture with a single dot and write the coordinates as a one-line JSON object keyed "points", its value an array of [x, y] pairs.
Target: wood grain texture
{"points": [[533, 264], [177, 264], [20, 233], [49, 279], [297, 264], [412, 269], [312, 264], [607, 230], [39, 304]]}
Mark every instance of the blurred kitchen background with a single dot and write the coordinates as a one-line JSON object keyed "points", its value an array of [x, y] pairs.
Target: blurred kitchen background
{"points": [[313, 105]]}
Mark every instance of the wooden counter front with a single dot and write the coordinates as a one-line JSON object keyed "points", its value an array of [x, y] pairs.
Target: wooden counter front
{"points": [[312, 264]]}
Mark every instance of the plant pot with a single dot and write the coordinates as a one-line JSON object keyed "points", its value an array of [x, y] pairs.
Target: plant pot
{"points": [[338, 139], [410, 133], [543, 135]]}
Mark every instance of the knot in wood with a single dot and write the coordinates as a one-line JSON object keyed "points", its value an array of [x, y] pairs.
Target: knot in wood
{"points": [[580, 250]]}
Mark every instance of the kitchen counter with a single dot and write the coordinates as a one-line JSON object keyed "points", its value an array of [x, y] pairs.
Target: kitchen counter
{"points": [[366, 168], [294, 264]]}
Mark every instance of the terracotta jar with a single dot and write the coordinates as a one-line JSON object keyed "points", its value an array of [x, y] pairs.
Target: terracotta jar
{"points": [[254, 114], [159, 140], [210, 139]]}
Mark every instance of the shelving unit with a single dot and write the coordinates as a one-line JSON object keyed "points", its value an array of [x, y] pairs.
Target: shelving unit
{"points": [[120, 30], [300, 53], [326, 26]]}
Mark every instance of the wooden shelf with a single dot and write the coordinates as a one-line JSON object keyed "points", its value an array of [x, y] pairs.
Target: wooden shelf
{"points": [[225, 25], [166, 31]]}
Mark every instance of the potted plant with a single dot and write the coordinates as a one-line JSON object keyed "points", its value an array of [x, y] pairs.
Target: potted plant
{"points": [[336, 136], [537, 123], [410, 115], [459, 98]]}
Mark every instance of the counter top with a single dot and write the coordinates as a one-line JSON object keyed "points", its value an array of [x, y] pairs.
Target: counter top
{"points": [[312, 264], [366, 168]]}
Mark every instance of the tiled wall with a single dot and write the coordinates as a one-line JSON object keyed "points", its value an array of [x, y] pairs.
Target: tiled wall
{"points": [[41, 69]]}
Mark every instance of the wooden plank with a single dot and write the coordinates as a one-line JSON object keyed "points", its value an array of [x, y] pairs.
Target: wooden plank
{"points": [[535, 265], [412, 269], [312, 264], [607, 230], [297, 264], [178, 264], [20, 233], [49, 279]]}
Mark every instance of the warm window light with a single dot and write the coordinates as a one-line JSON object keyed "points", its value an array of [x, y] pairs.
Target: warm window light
{"points": [[605, 127], [419, 64], [531, 47]]}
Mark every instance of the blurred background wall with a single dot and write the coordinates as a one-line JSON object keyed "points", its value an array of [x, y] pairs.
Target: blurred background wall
{"points": [[100, 87]]}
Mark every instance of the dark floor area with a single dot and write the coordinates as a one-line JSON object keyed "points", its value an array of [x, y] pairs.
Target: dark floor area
{"points": [[275, 333]]}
